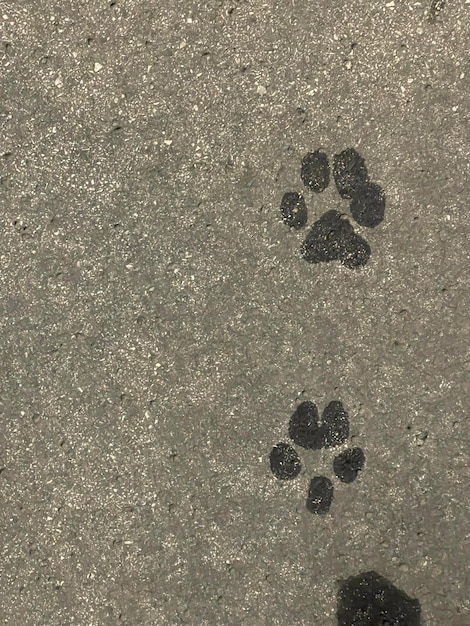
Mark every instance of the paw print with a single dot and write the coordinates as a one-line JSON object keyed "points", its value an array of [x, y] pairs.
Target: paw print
{"points": [[308, 431], [332, 237], [369, 598]]}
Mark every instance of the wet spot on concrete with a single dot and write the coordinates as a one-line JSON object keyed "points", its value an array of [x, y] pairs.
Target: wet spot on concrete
{"points": [[349, 172], [368, 205], [320, 495], [306, 430], [315, 171], [293, 210], [332, 238], [369, 599], [348, 464], [284, 461]]}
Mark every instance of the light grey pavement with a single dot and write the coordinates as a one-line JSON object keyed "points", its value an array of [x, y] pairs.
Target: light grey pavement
{"points": [[158, 325]]}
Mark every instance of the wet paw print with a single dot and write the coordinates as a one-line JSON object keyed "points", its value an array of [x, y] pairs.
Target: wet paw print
{"points": [[369, 599], [332, 237], [306, 430]]}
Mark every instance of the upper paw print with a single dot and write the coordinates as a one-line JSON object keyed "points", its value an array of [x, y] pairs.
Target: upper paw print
{"points": [[332, 237]]}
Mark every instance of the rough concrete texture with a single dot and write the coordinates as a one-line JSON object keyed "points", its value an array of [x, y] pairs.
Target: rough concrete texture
{"points": [[159, 326]]}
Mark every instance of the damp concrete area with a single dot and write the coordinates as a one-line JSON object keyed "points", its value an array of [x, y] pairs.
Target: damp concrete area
{"points": [[234, 294]]}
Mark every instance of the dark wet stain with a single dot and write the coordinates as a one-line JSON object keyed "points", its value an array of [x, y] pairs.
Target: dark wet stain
{"points": [[369, 599]]}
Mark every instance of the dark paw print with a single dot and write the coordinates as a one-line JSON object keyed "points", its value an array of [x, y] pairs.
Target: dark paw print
{"points": [[371, 600], [308, 431], [332, 237]]}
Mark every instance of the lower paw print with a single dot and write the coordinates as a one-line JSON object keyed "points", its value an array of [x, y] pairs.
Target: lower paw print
{"points": [[332, 237], [308, 431], [369, 599]]}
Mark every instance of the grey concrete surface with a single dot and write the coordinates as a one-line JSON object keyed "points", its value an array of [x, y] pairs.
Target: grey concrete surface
{"points": [[158, 325]]}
